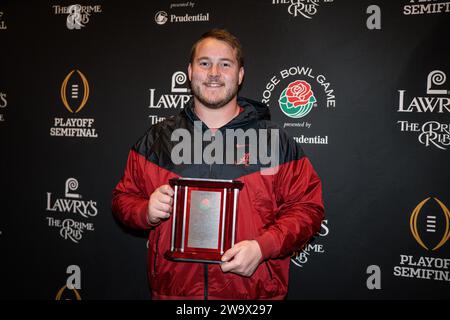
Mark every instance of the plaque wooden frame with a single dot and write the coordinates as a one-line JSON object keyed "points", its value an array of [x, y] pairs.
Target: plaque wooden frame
{"points": [[193, 240]]}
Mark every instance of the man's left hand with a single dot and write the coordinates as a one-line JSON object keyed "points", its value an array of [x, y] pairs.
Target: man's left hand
{"points": [[243, 258]]}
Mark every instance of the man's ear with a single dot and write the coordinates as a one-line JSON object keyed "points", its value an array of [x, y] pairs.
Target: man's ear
{"points": [[190, 72], [241, 75]]}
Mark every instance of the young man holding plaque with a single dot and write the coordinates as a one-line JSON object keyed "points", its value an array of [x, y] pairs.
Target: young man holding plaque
{"points": [[279, 207]]}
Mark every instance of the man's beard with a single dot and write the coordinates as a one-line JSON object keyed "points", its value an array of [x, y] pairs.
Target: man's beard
{"points": [[230, 93]]}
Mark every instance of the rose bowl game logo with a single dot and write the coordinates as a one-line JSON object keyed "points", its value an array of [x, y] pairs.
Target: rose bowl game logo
{"points": [[304, 99], [297, 100]]}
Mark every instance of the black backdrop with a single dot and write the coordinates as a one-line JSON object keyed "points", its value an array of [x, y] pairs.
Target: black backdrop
{"points": [[378, 135]]}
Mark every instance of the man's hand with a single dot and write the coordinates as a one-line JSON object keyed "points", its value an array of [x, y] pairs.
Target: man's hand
{"points": [[160, 204], [243, 258]]}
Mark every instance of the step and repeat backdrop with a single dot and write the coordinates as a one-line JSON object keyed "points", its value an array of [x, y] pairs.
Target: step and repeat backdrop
{"points": [[81, 82]]}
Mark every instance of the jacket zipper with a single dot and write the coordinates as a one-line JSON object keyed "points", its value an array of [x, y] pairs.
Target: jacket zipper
{"points": [[205, 273], [205, 266], [213, 137]]}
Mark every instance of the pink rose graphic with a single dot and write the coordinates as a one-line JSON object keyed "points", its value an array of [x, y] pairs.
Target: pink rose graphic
{"points": [[298, 93]]}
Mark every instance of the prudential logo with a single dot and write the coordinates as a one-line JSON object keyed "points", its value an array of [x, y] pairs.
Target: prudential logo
{"points": [[180, 13], [161, 17]]}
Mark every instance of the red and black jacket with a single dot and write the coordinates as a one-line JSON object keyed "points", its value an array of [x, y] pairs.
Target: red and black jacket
{"points": [[281, 211]]}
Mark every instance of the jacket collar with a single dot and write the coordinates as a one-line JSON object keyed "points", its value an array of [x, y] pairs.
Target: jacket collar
{"points": [[253, 111]]}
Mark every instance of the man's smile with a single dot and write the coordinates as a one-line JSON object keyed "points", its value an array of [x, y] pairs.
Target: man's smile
{"points": [[213, 84]]}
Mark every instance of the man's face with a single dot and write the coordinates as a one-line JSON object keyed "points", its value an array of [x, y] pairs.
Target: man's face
{"points": [[214, 73]]}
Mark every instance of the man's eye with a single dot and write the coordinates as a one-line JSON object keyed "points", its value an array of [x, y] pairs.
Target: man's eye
{"points": [[204, 64]]}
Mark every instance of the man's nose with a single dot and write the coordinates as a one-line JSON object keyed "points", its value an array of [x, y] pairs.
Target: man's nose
{"points": [[214, 70]]}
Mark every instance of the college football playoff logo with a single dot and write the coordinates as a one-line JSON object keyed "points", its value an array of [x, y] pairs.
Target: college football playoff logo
{"points": [[73, 90], [429, 224]]}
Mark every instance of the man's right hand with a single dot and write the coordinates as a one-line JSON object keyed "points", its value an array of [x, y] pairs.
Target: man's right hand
{"points": [[160, 204]]}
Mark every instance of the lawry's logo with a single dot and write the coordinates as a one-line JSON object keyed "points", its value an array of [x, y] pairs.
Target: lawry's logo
{"points": [[73, 283], [299, 92], [71, 204], [436, 78], [300, 258], [72, 185], [2, 22], [430, 133], [74, 94], [431, 224], [177, 99], [297, 99], [3, 105], [304, 8], [77, 15], [420, 7]]}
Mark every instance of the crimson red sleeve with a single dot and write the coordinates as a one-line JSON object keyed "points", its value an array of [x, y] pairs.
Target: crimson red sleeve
{"points": [[300, 209], [131, 195]]}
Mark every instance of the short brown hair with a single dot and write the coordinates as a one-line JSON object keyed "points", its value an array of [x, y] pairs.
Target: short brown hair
{"points": [[222, 35]]}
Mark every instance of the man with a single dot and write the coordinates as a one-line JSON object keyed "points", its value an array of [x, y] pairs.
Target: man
{"points": [[279, 208]]}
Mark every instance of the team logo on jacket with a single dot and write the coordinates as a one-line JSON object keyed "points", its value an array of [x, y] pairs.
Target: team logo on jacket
{"points": [[71, 212], [297, 99]]}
